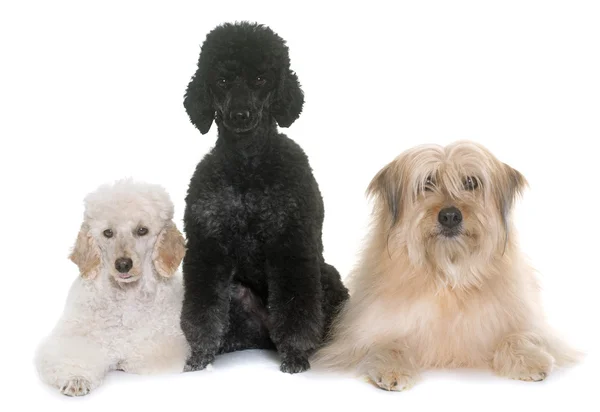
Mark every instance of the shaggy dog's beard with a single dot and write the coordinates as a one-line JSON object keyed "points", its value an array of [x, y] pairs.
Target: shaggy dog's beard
{"points": [[455, 261]]}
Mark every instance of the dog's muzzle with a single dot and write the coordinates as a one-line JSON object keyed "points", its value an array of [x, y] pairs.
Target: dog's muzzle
{"points": [[241, 120]]}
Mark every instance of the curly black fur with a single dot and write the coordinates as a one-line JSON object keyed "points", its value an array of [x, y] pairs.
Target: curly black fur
{"points": [[254, 271]]}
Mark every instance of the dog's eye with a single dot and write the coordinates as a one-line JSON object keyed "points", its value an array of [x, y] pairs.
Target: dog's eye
{"points": [[108, 233], [260, 81], [471, 183], [222, 82], [429, 184], [142, 231]]}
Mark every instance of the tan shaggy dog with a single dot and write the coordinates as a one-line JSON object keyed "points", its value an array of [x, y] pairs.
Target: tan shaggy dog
{"points": [[441, 282]]}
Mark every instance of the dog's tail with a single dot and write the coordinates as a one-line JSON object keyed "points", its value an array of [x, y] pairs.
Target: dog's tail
{"points": [[342, 349], [339, 355]]}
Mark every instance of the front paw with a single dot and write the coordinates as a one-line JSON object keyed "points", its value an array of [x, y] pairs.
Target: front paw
{"points": [[294, 364], [392, 380], [76, 386], [535, 369], [198, 362], [529, 363]]}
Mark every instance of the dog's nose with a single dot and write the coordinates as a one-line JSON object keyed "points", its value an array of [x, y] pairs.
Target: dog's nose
{"points": [[450, 217], [240, 115], [123, 265]]}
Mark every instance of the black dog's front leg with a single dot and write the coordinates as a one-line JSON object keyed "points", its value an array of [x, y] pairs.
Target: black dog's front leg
{"points": [[207, 274], [295, 306]]}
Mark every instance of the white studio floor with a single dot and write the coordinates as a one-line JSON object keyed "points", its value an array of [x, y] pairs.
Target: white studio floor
{"points": [[251, 381]]}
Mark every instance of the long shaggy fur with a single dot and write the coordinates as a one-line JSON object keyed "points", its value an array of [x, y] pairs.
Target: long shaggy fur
{"points": [[254, 273], [420, 299], [113, 320]]}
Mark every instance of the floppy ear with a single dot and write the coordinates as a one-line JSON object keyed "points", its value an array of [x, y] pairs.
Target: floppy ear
{"points": [[386, 186], [198, 103], [513, 185], [169, 250], [289, 100], [86, 253]]}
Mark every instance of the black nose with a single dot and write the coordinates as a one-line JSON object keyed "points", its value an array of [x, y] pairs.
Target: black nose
{"points": [[123, 265], [240, 115], [450, 217]]}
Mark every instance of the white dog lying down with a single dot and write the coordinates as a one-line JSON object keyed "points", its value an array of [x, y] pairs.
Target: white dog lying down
{"points": [[123, 312]]}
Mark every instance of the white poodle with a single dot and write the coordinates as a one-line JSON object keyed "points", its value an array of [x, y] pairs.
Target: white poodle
{"points": [[123, 312]]}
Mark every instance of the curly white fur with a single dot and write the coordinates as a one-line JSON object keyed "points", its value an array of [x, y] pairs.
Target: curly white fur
{"points": [[116, 321]]}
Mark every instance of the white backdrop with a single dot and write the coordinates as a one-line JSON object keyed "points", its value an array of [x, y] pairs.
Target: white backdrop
{"points": [[90, 93]]}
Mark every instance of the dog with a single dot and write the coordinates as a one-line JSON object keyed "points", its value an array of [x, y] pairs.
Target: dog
{"points": [[123, 311], [441, 282], [254, 272]]}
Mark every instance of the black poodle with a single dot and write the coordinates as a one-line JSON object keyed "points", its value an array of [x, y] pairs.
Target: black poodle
{"points": [[254, 271]]}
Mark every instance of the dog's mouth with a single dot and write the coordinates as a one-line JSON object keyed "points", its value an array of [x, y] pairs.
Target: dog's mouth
{"points": [[450, 233], [242, 130], [444, 233], [242, 127], [127, 277], [454, 233]]}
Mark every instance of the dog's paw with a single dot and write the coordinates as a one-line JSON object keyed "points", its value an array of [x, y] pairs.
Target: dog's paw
{"points": [[530, 365], [535, 371], [533, 376], [294, 364], [76, 386], [392, 380], [198, 363]]}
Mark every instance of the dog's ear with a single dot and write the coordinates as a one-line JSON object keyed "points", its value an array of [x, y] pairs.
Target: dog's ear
{"points": [[386, 187], [514, 183], [198, 102], [289, 100], [86, 254], [169, 250]]}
